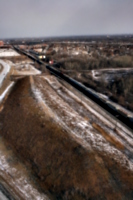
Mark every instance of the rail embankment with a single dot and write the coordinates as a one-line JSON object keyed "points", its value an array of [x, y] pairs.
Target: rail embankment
{"points": [[69, 158]]}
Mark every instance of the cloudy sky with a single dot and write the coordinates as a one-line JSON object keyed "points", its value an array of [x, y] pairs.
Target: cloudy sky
{"points": [[41, 18]]}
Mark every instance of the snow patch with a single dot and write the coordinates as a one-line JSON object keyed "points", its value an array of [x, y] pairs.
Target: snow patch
{"points": [[17, 178], [4, 72], [8, 53], [26, 69], [79, 126], [2, 96]]}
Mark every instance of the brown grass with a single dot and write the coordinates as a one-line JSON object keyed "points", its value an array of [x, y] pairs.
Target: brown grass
{"points": [[15, 59], [111, 139], [58, 159]]}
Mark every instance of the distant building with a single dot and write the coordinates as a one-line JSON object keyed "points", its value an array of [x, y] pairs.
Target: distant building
{"points": [[38, 50], [1, 43]]}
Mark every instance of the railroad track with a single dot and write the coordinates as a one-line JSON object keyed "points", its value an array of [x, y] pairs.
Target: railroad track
{"points": [[119, 115], [128, 121]]}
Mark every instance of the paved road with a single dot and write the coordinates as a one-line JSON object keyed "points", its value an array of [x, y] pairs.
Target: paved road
{"points": [[5, 70]]}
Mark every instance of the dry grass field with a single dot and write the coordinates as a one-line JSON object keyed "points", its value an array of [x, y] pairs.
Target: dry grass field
{"points": [[62, 162]]}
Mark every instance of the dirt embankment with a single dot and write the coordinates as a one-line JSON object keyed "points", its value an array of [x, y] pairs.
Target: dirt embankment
{"points": [[60, 160]]}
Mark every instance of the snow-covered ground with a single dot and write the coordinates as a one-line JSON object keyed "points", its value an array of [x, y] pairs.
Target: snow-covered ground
{"points": [[97, 74], [5, 92], [109, 74], [78, 119], [5, 83], [4, 71], [17, 177], [25, 69], [8, 68], [8, 53]]}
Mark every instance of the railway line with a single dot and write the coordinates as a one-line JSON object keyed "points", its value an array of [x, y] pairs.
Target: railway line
{"points": [[127, 120], [65, 115]]}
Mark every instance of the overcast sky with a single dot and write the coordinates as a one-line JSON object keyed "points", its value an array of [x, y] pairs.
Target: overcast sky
{"points": [[41, 18]]}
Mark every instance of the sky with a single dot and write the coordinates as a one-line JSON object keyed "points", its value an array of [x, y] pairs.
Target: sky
{"points": [[46, 18]]}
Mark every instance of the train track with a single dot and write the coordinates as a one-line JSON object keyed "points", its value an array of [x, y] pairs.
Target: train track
{"points": [[119, 115], [128, 121]]}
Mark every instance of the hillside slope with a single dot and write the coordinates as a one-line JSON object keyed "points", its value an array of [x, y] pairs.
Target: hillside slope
{"points": [[69, 157]]}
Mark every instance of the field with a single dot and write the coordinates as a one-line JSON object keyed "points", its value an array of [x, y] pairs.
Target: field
{"points": [[56, 142]]}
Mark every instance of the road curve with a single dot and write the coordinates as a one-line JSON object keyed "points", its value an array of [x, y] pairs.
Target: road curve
{"points": [[5, 69], [5, 83]]}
